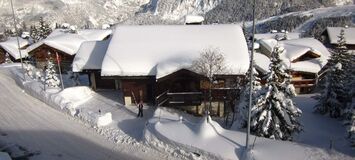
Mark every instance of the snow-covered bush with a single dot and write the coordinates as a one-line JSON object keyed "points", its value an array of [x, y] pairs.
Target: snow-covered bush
{"points": [[7, 58], [51, 79], [274, 115]]}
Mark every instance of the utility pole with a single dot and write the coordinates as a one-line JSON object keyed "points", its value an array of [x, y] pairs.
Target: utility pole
{"points": [[251, 78], [18, 41]]}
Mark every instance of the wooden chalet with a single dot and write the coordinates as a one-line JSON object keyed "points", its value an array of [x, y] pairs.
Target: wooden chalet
{"points": [[151, 63], [330, 37], [63, 46], [44, 52], [304, 58], [11, 47]]}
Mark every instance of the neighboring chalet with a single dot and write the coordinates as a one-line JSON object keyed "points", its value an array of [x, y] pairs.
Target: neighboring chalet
{"points": [[330, 37], [153, 63], [65, 44], [304, 58], [89, 60], [11, 47]]}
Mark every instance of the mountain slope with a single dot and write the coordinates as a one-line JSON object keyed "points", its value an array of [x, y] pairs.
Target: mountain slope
{"points": [[94, 13]]}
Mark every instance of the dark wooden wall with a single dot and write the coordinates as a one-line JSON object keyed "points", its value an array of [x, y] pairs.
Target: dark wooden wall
{"points": [[142, 88], [2, 56], [179, 81], [102, 83], [40, 56]]}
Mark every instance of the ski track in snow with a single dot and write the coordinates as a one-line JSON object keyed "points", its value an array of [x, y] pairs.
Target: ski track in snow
{"points": [[31, 123]]}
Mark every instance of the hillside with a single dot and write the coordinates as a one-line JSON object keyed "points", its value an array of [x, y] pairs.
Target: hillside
{"points": [[94, 13]]}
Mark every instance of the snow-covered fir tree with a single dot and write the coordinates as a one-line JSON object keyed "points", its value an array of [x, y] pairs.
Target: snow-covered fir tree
{"points": [[51, 79], [40, 32], [351, 127], [242, 107], [336, 96], [7, 58], [275, 115]]}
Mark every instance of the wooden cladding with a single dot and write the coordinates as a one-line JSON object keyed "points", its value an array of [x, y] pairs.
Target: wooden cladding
{"points": [[41, 55]]}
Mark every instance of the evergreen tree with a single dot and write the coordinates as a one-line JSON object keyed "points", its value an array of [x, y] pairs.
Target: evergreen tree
{"points": [[7, 58], [51, 79], [275, 115], [336, 95], [242, 107], [40, 32]]}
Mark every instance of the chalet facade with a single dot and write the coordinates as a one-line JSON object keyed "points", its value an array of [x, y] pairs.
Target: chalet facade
{"points": [[10, 47], [153, 63], [62, 46], [304, 58]]}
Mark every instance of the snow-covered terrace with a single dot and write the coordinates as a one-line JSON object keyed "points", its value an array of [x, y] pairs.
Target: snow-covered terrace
{"points": [[70, 42], [11, 47], [161, 50], [90, 55], [294, 49], [333, 33]]}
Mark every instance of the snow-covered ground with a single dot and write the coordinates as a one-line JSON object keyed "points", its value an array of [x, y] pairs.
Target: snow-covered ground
{"points": [[319, 130], [195, 135], [161, 134], [28, 122]]}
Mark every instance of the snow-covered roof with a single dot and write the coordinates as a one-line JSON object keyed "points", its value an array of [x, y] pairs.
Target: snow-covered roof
{"points": [[293, 49], [333, 33], [11, 47], [70, 42], [194, 19], [261, 62], [161, 50], [292, 35], [90, 55]]}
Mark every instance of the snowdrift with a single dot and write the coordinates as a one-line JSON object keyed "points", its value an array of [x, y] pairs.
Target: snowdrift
{"points": [[211, 140]]}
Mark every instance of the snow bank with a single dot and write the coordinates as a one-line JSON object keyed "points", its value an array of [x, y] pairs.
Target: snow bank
{"points": [[67, 100], [104, 119], [214, 142], [76, 95]]}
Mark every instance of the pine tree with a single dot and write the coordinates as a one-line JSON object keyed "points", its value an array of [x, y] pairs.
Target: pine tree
{"points": [[335, 94], [7, 58], [51, 79], [242, 107], [275, 115], [40, 32]]}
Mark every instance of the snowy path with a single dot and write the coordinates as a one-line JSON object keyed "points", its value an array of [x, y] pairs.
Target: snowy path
{"points": [[28, 122], [319, 130], [124, 117]]}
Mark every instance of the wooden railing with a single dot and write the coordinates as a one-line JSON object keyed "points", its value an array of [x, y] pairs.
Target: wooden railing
{"points": [[161, 98], [178, 98], [184, 98], [303, 83]]}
